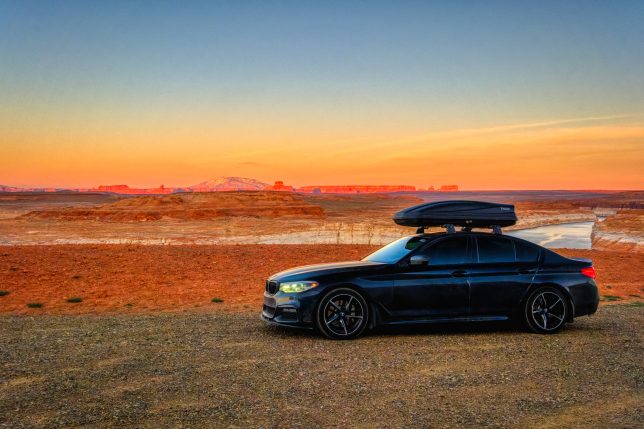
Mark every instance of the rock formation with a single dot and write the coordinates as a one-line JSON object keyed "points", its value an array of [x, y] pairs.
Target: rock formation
{"points": [[191, 206], [228, 184]]}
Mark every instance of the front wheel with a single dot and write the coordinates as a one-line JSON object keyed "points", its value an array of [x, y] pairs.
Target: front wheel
{"points": [[342, 314], [546, 310]]}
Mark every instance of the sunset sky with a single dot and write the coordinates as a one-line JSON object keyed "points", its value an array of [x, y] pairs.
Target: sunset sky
{"points": [[483, 94]]}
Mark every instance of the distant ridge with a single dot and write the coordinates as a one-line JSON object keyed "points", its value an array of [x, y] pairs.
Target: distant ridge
{"points": [[234, 183], [4, 188], [229, 184]]}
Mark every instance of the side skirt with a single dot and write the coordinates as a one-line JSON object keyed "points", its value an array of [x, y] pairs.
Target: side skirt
{"points": [[449, 320]]}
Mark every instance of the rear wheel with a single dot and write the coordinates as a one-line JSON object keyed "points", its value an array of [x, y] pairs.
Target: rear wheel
{"points": [[342, 314], [546, 310]]}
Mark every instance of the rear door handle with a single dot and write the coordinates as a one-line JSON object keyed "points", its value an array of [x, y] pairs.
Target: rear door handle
{"points": [[526, 271], [459, 273]]}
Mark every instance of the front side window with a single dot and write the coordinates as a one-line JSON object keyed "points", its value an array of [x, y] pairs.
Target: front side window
{"points": [[394, 252], [495, 250], [450, 251]]}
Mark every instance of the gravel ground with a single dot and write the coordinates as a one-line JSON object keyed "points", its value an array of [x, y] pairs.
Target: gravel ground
{"points": [[219, 369]]}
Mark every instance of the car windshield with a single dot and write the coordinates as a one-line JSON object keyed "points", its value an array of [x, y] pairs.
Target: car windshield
{"points": [[394, 252]]}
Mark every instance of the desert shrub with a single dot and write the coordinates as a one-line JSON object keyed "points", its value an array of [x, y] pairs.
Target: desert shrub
{"points": [[75, 277], [4, 292], [75, 299], [215, 299], [35, 305], [611, 298]]}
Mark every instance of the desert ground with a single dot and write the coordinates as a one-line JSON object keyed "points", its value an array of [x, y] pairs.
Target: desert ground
{"points": [[136, 278], [286, 218], [143, 312]]}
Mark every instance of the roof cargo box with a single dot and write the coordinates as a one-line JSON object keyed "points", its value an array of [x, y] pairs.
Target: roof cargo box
{"points": [[472, 214]]}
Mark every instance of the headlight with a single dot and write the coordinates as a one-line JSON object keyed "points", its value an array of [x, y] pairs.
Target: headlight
{"points": [[296, 287]]}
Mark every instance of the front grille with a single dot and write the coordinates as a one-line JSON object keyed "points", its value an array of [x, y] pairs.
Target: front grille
{"points": [[271, 287]]}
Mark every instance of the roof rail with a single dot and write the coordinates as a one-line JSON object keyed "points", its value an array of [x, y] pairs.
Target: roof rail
{"points": [[451, 229]]}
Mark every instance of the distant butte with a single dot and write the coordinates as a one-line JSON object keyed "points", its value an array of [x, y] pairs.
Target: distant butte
{"points": [[280, 186]]}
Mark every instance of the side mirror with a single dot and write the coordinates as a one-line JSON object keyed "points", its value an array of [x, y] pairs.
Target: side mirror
{"points": [[419, 260]]}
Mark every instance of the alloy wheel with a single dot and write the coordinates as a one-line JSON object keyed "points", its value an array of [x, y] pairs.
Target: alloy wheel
{"points": [[548, 311], [342, 314]]}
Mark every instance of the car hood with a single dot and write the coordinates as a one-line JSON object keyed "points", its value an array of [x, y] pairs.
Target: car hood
{"points": [[311, 271]]}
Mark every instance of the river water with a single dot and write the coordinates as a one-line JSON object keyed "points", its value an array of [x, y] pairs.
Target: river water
{"points": [[569, 235]]}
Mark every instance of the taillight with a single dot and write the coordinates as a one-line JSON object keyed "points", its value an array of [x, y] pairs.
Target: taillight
{"points": [[589, 272]]}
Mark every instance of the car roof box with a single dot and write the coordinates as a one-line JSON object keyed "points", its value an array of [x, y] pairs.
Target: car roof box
{"points": [[469, 214]]}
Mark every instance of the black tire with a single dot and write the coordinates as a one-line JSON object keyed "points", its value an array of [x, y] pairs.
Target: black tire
{"points": [[546, 310], [342, 314]]}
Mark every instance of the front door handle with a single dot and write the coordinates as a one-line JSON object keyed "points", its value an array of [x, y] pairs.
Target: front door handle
{"points": [[526, 271], [459, 273]]}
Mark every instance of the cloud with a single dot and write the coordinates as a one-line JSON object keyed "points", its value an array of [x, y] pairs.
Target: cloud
{"points": [[472, 136]]}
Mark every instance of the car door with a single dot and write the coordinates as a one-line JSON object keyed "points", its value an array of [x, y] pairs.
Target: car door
{"points": [[498, 280], [439, 288]]}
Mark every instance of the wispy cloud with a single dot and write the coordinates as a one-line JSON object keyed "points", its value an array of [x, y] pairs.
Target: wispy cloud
{"points": [[429, 141], [542, 124]]}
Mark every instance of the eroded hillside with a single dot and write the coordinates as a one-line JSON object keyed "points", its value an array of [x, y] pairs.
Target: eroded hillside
{"points": [[190, 206]]}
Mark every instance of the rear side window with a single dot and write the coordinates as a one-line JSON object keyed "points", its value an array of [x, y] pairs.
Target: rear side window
{"points": [[450, 251], [526, 252], [495, 250]]}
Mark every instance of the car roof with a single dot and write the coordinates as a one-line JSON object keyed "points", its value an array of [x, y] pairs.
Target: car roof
{"points": [[434, 235]]}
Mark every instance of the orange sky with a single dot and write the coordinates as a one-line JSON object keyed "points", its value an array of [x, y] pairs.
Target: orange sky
{"points": [[581, 153]]}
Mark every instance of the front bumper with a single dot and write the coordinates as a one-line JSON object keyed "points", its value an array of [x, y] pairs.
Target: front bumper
{"points": [[292, 310], [275, 322]]}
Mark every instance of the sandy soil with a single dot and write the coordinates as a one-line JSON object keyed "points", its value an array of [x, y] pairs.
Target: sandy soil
{"points": [[132, 279]]}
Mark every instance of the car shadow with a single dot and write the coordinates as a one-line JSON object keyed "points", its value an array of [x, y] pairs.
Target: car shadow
{"points": [[448, 328]]}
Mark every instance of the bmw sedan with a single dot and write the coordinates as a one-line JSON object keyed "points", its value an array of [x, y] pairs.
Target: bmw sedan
{"points": [[433, 278]]}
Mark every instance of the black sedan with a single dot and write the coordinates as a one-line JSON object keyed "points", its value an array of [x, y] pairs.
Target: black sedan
{"points": [[433, 278]]}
